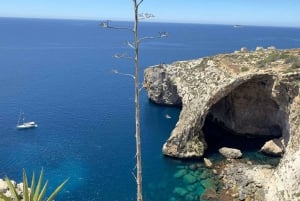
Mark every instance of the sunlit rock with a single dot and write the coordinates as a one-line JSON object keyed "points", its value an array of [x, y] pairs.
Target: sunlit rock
{"points": [[252, 93], [3, 186], [235, 90], [230, 152], [273, 147], [207, 162], [209, 194]]}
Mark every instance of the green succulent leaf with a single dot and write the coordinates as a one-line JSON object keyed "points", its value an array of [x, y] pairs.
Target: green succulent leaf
{"points": [[36, 193], [12, 189], [38, 187], [57, 190], [42, 193], [25, 186], [4, 198], [32, 187]]}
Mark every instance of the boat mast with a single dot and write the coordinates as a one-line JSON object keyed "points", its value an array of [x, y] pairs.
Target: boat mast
{"points": [[23, 118], [19, 119]]}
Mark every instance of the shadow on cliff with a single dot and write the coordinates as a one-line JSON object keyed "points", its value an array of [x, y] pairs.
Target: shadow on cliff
{"points": [[218, 136]]}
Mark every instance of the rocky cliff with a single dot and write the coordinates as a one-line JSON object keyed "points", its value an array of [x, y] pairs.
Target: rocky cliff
{"points": [[251, 93]]}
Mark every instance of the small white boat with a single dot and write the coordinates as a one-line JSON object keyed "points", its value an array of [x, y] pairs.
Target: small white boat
{"points": [[168, 116], [22, 124]]}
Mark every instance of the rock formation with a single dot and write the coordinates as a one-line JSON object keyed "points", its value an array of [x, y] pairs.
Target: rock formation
{"points": [[5, 189], [273, 147], [251, 93], [230, 152], [207, 163]]}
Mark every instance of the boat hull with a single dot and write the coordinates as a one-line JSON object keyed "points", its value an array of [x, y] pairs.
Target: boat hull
{"points": [[27, 125]]}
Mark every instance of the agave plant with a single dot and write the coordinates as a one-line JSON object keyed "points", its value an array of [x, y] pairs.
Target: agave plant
{"points": [[36, 192]]}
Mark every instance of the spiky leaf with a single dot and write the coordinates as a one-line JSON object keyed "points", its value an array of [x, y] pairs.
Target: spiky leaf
{"points": [[57, 190], [12, 189], [42, 193], [4, 198], [32, 187], [25, 186], [38, 187]]}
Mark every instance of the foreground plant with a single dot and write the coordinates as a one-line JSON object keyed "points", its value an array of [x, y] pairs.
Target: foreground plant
{"points": [[36, 192], [137, 85]]}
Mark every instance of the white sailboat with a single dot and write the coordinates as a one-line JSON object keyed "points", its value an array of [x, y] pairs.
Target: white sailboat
{"points": [[22, 124]]}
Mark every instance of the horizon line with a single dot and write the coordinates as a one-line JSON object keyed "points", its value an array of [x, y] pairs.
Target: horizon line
{"points": [[162, 21]]}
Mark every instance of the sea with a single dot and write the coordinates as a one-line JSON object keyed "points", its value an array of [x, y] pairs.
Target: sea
{"points": [[59, 74]]}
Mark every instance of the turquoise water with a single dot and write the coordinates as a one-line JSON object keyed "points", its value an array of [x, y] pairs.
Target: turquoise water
{"points": [[59, 73]]}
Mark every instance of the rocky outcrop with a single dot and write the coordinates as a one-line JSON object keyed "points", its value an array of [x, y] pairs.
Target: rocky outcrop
{"points": [[284, 183], [246, 92], [273, 147], [160, 88], [230, 152], [5, 189], [246, 181], [251, 93], [207, 163]]}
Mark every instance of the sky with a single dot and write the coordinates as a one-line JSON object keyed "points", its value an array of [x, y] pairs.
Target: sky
{"points": [[243, 12]]}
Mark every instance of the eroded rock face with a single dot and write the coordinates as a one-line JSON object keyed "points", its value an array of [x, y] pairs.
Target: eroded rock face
{"points": [[248, 92], [160, 87], [248, 102], [251, 109], [284, 183]]}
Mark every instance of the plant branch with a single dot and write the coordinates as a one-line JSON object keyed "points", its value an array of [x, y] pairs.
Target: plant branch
{"points": [[141, 1], [125, 74], [161, 35], [106, 24]]}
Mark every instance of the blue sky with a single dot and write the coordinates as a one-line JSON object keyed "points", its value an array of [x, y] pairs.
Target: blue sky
{"points": [[245, 12]]}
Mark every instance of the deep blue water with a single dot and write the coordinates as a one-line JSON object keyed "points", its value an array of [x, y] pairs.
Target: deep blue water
{"points": [[59, 73]]}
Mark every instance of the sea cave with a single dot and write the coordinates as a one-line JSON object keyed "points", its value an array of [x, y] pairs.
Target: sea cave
{"points": [[246, 118]]}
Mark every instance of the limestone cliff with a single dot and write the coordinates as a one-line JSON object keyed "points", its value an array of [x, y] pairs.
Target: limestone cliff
{"points": [[251, 93]]}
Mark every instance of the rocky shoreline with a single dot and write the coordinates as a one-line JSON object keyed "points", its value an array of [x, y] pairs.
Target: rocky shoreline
{"points": [[251, 93], [222, 180], [245, 181], [5, 190], [239, 179]]}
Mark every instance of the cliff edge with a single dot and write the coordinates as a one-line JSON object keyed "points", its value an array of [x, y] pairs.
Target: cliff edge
{"points": [[251, 93]]}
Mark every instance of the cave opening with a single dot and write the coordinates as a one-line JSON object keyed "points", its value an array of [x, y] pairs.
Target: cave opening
{"points": [[218, 136], [245, 118]]}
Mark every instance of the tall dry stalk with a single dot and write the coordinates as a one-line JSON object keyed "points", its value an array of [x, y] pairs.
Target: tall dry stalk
{"points": [[137, 103]]}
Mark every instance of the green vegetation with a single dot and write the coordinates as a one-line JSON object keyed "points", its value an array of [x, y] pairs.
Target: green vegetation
{"points": [[203, 64], [244, 69], [297, 194], [271, 58], [288, 59], [295, 61], [34, 193]]}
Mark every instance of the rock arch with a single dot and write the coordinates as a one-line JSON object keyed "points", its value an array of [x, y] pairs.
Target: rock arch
{"points": [[207, 85], [251, 109], [256, 104], [248, 105]]}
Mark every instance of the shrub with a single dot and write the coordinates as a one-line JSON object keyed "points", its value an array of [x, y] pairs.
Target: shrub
{"points": [[36, 192], [244, 69], [271, 58]]}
